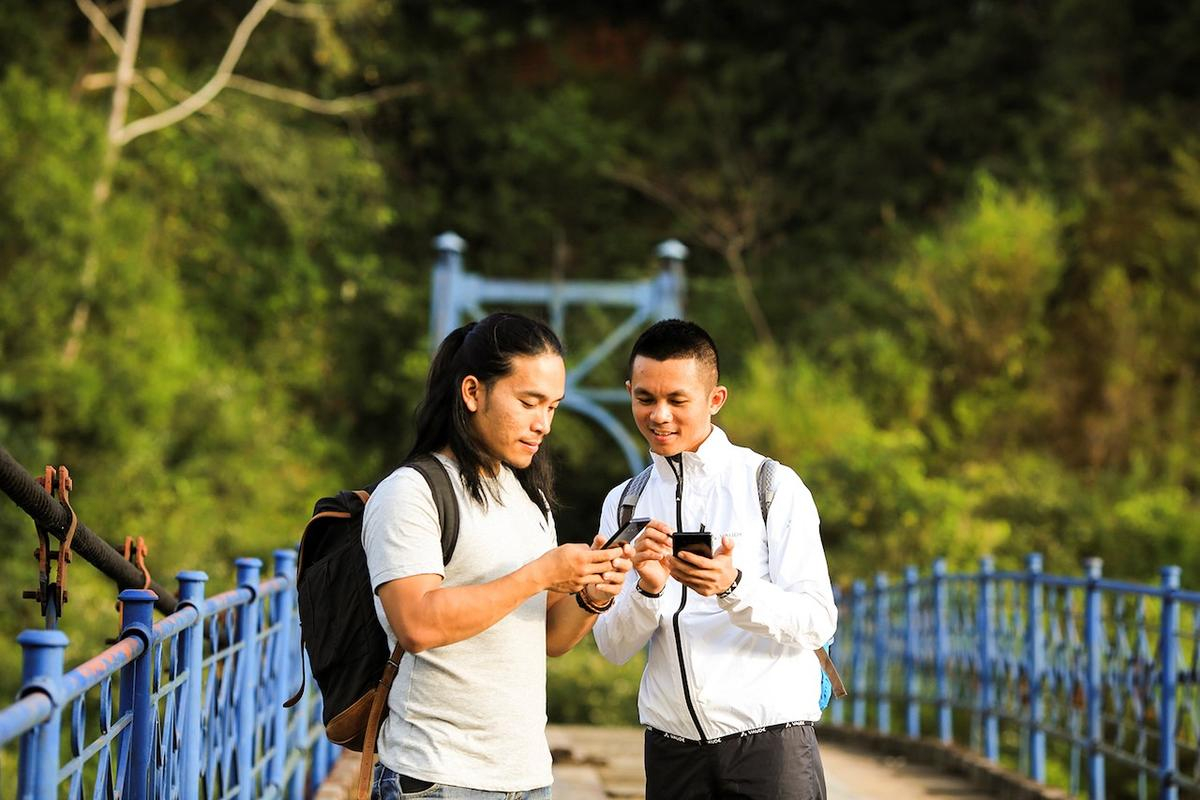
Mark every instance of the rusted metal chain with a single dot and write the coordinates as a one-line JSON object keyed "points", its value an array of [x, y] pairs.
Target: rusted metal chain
{"points": [[55, 517]]}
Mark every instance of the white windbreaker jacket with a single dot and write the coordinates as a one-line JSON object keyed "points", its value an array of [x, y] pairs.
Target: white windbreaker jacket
{"points": [[723, 666]]}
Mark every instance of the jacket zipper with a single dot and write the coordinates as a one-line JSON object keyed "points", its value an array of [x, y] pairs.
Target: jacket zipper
{"points": [[687, 694]]}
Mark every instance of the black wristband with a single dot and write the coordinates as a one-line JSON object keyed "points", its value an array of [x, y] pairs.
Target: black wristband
{"points": [[736, 580], [644, 593]]}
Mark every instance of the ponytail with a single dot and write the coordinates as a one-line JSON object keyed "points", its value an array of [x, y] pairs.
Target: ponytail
{"points": [[486, 350]]}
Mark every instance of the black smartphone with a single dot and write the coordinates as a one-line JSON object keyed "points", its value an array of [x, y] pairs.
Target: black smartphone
{"points": [[700, 543], [627, 533]]}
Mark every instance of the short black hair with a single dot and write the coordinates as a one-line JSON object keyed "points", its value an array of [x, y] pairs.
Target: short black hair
{"points": [[676, 338]]}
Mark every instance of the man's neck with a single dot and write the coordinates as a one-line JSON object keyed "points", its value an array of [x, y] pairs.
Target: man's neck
{"points": [[696, 448], [490, 468]]}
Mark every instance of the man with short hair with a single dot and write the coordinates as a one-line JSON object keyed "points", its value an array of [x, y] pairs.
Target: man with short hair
{"points": [[732, 683]]}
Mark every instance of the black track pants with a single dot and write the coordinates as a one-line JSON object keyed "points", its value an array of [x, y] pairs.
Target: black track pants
{"points": [[780, 764]]}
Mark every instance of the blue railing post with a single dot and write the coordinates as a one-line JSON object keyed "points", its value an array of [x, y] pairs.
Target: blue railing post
{"points": [[882, 701], [1168, 757], [322, 760], [858, 656], [987, 650], [41, 671], [137, 619], [1035, 664], [282, 612], [1093, 634], [912, 614], [247, 674], [301, 713], [941, 654], [191, 643]]}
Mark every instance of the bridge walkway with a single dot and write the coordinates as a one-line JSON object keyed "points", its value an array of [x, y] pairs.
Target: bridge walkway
{"points": [[603, 763], [595, 763]]}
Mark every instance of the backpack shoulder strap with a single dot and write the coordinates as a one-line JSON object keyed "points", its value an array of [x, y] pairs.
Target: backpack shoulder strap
{"points": [[766, 485], [838, 689], [765, 478], [435, 474], [630, 495]]}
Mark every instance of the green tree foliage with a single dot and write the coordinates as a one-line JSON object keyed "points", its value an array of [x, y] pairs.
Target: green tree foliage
{"points": [[949, 251]]}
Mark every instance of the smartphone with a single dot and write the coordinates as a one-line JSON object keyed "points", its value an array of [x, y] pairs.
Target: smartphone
{"points": [[699, 543], [627, 533]]}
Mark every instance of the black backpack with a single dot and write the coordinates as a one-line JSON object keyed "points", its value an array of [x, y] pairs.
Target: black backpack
{"points": [[347, 647]]}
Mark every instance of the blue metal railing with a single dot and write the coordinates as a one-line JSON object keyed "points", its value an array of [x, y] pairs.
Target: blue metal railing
{"points": [[1093, 680], [198, 698], [1073, 680]]}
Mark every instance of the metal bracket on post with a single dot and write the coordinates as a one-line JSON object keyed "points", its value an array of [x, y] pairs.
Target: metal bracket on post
{"points": [[135, 553], [52, 595], [457, 292]]}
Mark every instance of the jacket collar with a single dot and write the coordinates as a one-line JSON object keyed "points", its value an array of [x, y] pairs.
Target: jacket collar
{"points": [[710, 457]]}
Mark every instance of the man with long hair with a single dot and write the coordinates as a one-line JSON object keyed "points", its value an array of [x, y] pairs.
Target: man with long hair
{"points": [[732, 680], [467, 712]]}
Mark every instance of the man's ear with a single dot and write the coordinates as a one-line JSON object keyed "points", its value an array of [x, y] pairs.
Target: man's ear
{"points": [[717, 399], [629, 387], [471, 391]]}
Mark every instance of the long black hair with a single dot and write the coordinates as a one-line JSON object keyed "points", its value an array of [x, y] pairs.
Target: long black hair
{"points": [[486, 350]]}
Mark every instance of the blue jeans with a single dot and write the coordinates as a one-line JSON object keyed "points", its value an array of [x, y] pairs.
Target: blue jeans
{"points": [[386, 786]]}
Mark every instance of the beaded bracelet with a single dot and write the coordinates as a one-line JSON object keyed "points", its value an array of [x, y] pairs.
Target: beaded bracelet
{"points": [[587, 605], [736, 580]]}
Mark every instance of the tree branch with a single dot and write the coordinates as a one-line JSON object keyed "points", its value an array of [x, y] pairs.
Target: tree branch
{"points": [[694, 219], [111, 9], [103, 184], [339, 106], [100, 22], [717, 230], [317, 105], [237, 45], [150, 90], [120, 105], [303, 10]]}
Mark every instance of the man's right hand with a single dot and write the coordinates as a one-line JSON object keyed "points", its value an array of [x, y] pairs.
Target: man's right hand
{"points": [[569, 567], [650, 553]]}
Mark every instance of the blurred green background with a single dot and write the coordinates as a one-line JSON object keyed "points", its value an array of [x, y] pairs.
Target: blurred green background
{"points": [[949, 251]]}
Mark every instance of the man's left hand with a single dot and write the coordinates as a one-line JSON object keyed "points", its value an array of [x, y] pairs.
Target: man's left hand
{"points": [[613, 578], [706, 576]]}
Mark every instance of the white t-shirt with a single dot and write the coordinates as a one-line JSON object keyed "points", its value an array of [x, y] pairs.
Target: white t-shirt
{"points": [[472, 713]]}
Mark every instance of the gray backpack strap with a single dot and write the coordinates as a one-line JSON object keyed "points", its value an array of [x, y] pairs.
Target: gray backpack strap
{"points": [[766, 485], [766, 495], [630, 495]]}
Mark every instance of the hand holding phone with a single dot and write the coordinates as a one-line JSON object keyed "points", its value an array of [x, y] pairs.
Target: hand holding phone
{"points": [[700, 543], [626, 533], [712, 577]]}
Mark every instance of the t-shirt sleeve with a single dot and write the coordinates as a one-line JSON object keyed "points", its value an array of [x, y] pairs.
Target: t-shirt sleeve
{"points": [[402, 534]]}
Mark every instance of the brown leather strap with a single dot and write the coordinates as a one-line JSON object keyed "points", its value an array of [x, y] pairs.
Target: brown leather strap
{"points": [[291, 701], [367, 765], [839, 688]]}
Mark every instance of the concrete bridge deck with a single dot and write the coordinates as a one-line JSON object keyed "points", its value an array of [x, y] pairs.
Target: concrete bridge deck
{"points": [[597, 763], [602, 763]]}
